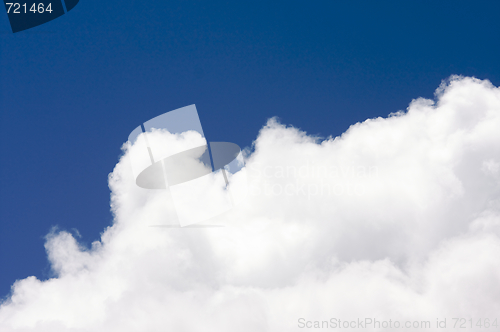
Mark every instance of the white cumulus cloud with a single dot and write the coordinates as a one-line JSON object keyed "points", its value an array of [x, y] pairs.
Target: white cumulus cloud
{"points": [[395, 221]]}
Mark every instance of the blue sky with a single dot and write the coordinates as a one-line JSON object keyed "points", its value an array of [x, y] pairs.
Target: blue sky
{"points": [[74, 88]]}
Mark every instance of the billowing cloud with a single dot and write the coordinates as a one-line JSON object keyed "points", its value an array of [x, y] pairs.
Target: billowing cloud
{"points": [[397, 221]]}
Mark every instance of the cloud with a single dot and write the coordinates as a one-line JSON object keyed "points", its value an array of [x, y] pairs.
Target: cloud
{"points": [[398, 220]]}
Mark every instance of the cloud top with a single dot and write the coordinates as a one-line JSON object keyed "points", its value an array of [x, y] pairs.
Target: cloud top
{"points": [[397, 219]]}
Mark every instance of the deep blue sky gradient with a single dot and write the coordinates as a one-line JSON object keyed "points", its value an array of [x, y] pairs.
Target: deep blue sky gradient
{"points": [[74, 88]]}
